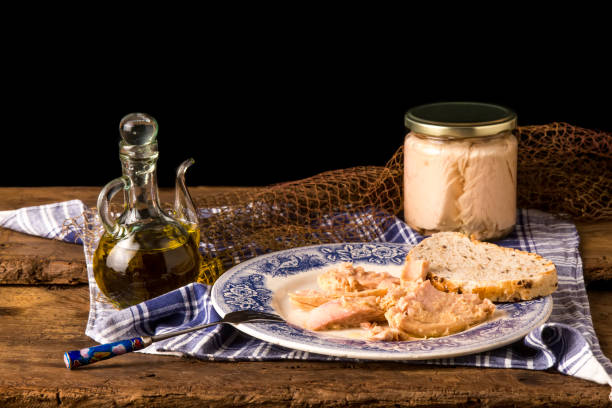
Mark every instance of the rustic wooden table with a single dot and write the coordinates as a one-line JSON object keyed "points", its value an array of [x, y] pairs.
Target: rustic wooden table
{"points": [[44, 306]]}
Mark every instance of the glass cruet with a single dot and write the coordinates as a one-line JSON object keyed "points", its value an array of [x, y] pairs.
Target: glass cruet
{"points": [[146, 251]]}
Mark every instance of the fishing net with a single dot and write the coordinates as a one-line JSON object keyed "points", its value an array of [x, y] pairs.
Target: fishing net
{"points": [[562, 169], [565, 170]]}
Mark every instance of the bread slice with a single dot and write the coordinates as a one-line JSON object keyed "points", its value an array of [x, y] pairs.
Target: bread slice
{"points": [[463, 265]]}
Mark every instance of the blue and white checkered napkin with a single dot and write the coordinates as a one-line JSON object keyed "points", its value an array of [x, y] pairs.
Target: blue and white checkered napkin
{"points": [[567, 342]]}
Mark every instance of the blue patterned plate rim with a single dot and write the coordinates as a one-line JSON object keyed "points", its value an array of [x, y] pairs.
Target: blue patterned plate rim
{"points": [[246, 286]]}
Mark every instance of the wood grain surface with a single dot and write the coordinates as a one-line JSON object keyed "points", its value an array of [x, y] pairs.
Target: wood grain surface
{"points": [[40, 323], [44, 305]]}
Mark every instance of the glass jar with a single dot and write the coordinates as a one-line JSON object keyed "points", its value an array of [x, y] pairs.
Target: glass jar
{"points": [[460, 169]]}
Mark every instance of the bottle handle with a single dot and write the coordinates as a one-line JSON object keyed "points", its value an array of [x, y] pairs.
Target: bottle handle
{"points": [[106, 195]]}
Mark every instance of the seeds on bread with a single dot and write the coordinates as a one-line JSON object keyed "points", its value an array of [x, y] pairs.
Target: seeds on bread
{"points": [[463, 265]]}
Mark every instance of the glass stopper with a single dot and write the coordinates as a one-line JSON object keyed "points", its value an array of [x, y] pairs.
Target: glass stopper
{"points": [[138, 129]]}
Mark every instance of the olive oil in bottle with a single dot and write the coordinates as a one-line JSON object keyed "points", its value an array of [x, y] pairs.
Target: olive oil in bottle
{"points": [[146, 251], [147, 264]]}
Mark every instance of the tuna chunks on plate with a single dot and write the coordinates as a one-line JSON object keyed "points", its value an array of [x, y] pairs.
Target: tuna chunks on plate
{"points": [[309, 299], [414, 270], [428, 312], [345, 312], [348, 278], [386, 307]]}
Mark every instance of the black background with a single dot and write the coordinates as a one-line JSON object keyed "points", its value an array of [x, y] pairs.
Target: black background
{"points": [[258, 111]]}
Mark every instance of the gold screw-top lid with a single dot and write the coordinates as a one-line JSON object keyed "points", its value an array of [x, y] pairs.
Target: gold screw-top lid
{"points": [[457, 120]]}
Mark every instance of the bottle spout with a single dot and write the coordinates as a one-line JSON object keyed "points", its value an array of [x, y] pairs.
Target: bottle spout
{"points": [[184, 207]]}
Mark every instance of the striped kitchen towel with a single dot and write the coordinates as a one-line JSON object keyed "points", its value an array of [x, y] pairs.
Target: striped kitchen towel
{"points": [[566, 342]]}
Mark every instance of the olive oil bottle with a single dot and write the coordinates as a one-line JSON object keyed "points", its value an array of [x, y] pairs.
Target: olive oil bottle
{"points": [[146, 251]]}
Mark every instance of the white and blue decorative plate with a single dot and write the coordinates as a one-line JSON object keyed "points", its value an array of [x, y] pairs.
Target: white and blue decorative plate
{"points": [[263, 283]]}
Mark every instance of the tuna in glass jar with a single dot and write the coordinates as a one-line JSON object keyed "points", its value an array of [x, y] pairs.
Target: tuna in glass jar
{"points": [[460, 169]]}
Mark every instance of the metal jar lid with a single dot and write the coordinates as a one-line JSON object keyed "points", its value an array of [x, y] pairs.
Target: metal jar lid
{"points": [[457, 120]]}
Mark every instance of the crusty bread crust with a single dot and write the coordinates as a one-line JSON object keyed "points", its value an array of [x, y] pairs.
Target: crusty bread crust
{"points": [[522, 287]]}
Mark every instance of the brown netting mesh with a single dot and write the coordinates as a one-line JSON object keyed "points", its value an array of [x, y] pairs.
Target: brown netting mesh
{"points": [[566, 170], [562, 169], [344, 205]]}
